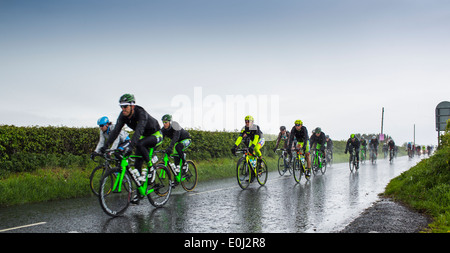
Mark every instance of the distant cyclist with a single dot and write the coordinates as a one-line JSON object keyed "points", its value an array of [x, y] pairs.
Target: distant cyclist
{"points": [[329, 146], [251, 131], [353, 143], [373, 145], [106, 127], [300, 133], [318, 139], [181, 140]]}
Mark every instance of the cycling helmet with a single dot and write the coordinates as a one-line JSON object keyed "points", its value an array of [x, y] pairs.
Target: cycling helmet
{"points": [[127, 99], [298, 122], [167, 117], [249, 118], [317, 130], [352, 136], [102, 121], [282, 128]]}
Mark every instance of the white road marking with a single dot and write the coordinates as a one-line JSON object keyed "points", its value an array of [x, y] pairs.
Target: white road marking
{"points": [[24, 226]]}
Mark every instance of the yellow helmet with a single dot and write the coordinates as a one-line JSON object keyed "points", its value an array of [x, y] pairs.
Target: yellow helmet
{"points": [[249, 118], [298, 122]]}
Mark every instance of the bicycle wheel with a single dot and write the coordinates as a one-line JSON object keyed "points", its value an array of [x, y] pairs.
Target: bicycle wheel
{"points": [[351, 163], [297, 170], [94, 179], [158, 191], [114, 203], [323, 169], [242, 173], [315, 163], [262, 172], [190, 177], [281, 166]]}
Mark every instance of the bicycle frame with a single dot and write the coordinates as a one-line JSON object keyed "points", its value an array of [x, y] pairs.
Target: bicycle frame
{"points": [[166, 163], [124, 165]]}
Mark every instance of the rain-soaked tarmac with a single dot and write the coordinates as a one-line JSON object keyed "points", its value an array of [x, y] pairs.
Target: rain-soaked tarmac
{"points": [[325, 204]]}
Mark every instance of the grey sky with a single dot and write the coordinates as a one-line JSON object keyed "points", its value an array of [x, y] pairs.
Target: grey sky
{"points": [[333, 64]]}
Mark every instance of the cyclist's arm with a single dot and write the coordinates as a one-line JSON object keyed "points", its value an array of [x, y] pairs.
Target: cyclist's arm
{"points": [[115, 132], [100, 143], [239, 139]]}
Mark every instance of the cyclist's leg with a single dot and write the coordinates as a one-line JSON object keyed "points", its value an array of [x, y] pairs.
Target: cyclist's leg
{"points": [[143, 148], [307, 152], [178, 152], [258, 147]]}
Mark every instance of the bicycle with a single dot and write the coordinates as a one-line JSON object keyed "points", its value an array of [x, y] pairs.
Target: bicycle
{"points": [[187, 177], [363, 155], [116, 187], [373, 156], [284, 163], [299, 166], [329, 157], [248, 168], [391, 156], [318, 162], [353, 162], [98, 172]]}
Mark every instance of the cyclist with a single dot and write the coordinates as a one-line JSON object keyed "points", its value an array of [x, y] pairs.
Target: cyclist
{"points": [[373, 145], [318, 138], [363, 143], [181, 140], [301, 134], [283, 135], [391, 145], [135, 117], [353, 143], [105, 129], [251, 131], [329, 145]]}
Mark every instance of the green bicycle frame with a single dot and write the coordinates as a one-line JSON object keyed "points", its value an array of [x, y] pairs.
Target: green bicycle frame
{"points": [[316, 159], [163, 173], [124, 164]]}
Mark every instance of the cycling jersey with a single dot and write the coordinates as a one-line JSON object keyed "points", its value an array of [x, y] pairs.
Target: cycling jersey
{"points": [[141, 122], [253, 133], [301, 135], [176, 133], [352, 144], [320, 140], [123, 137], [284, 137], [256, 138]]}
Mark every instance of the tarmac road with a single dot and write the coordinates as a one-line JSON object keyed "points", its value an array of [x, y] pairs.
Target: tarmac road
{"points": [[328, 203]]}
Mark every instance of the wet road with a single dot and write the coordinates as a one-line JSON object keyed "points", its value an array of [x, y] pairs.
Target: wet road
{"points": [[326, 204]]}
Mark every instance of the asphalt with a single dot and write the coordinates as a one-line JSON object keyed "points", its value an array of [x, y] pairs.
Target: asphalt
{"points": [[387, 216]]}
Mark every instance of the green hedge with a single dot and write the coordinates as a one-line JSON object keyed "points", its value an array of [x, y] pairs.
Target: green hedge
{"points": [[29, 148]]}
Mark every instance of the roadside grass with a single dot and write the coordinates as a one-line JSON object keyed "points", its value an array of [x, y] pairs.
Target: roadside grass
{"points": [[54, 183], [426, 187]]}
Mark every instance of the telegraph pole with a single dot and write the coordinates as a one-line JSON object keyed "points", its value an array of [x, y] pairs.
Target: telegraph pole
{"points": [[382, 119]]}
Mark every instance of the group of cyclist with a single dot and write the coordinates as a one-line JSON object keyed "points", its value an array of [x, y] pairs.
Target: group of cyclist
{"points": [[147, 134], [414, 149], [296, 139]]}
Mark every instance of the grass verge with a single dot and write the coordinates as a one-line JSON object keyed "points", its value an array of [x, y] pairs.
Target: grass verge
{"points": [[426, 188]]}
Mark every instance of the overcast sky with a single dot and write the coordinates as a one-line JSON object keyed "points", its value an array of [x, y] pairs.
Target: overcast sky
{"points": [[330, 63]]}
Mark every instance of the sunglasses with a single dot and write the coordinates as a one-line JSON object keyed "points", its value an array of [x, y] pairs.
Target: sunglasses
{"points": [[297, 125], [124, 106], [102, 125]]}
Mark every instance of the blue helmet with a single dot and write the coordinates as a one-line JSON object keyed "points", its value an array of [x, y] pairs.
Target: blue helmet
{"points": [[102, 121]]}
